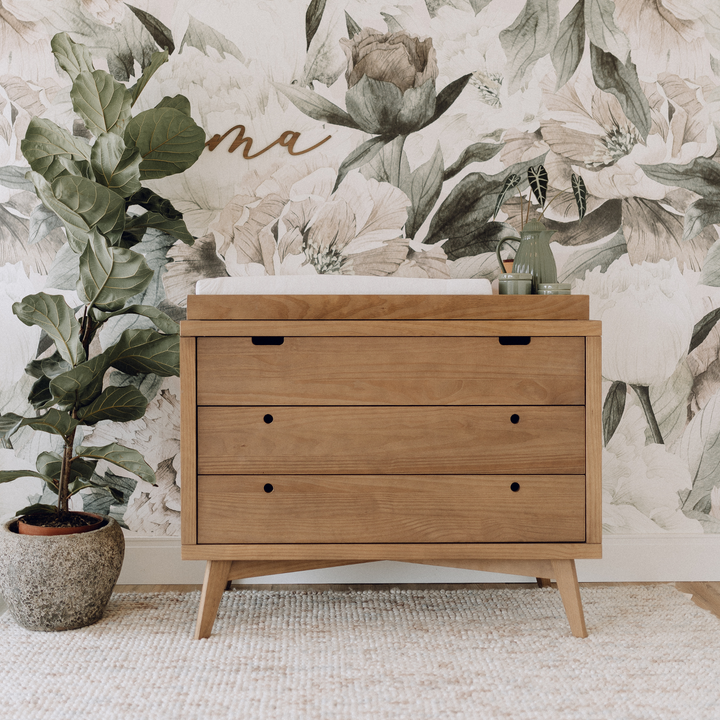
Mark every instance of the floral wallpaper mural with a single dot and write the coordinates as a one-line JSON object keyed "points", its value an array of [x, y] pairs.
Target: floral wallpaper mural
{"points": [[359, 137]]}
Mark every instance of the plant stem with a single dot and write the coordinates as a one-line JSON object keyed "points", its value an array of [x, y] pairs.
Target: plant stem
{"points": [[554, 197], [396, 160], [643, 392], [64, 482]]}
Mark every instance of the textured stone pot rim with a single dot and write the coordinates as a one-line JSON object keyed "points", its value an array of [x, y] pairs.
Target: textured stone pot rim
{"points": [[69, 538]]}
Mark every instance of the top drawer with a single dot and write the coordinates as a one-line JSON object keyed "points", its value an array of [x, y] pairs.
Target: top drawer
{"points": [[390, 371]]}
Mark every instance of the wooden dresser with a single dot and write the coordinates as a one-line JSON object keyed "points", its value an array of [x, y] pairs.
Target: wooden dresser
{"points": [[327, 430]]}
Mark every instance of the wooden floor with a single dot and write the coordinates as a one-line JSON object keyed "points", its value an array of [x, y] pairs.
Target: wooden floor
{"points": [[705, 594]]}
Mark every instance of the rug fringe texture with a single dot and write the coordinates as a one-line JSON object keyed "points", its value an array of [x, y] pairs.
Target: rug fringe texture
{"points": [[380, 654]]}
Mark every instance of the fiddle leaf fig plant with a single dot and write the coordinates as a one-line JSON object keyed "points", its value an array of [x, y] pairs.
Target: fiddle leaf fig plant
{"points": [[95, 189]]}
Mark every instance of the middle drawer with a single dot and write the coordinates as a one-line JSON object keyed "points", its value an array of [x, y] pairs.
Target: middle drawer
{"points": [[410, 439]]}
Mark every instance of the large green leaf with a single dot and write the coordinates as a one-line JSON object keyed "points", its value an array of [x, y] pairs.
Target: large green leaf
{"points": [[316, 106], [160, 32], [123, 457], [168, 140], [102, 102], [115, 168], [613, 409], [703, 327], [111, 275], [529, 38], [570, 44], [42, 222], [424, 190], [45, 142], [146, 351], [702, 176], [313, 16], [621, 79], [49, 464], [150, 200], [446, 97], [119, 404], [179, 102], [54, 421], [700, 214], [602, 30], [477, 152], [83, 383], [10, 475], [362, 154], [158, 59], [163, 322], [9, 423], [601, 255], [50, 366], [175, 227], [98, 206], [72, 57], [56, 318]]}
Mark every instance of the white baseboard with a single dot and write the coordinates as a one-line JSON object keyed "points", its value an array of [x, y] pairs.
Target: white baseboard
{"points": [[626, 558]]}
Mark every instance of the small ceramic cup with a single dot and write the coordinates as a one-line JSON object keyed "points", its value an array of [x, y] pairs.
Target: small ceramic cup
{"points": [[515, 284], [554, 289]]}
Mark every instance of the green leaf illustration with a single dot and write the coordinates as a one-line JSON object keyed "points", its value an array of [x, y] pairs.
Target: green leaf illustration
{"points": [[15, 178], [130, 460], [56, 318], [119, 404], [482, 239], [10, 475], [176, 227], [702, 176], [316, 106], [146, 351], [603, 31], [72, 57], [538, 181], [8, 424], [49, 464], [477, 152], [570, 44], [168, 140], [700, 214], [54, 421], [579, 193], [362, 154], [621, 79], [201, 36], [613, 409], [158, 30], [711, 267], [114, 167], [600, 255], [511, 182], [111, 275], [163, 322], [45, 142], [425, 186], [529, 38], [446, 97], [703, 327], [352, 27], [158, 59], [102, 102], [42, 222], [313, 17]]}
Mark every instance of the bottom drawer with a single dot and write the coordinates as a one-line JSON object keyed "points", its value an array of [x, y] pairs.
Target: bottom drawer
{"points": [[390, 508]]}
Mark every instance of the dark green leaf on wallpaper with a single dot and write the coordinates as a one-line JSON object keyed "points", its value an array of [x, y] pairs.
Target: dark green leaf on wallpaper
{"points": [[702, 176], [63, 274], [511, 182], [313, 17], [570, 45], [150, 200], [352, 27], [160, 32], [478, 5], [175, 227], [529, 38], [392, 24], [316, 106], [42, 223], [483, 239], [538, 180], [703, 212], [14, 178], [158, 59], [361, 155], [703, 327], [621, 79], [598, 255], [425, 186], [202, 36], [72, 57], [711, 267], [478, 152], [580, 194], [613, 409], [179, 102], [602, 30], [447, 96]]}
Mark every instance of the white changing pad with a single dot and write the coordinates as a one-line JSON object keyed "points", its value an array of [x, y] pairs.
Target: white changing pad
{"points": [[339, 285]]}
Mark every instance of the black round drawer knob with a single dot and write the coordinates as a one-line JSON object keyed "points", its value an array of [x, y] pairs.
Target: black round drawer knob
{"points": [[268, 488], [268, 419], [515, 419], [514, 487]]}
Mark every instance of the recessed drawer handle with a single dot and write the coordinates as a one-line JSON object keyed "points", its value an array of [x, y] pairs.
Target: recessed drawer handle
{"points": [[267, 340], [509, 340]]}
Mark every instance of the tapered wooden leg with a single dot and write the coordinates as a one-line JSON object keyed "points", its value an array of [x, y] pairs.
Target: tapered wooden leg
{"points": [[216, 577], [570, 593]]}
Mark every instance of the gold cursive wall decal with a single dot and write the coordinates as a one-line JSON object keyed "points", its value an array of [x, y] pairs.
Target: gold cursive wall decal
{"points": [[286, 140]]}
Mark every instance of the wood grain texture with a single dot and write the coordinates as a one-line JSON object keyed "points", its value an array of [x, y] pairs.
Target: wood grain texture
{"points": [[389, 328], [391, 371], [566, 578], [530, 568], [390, 508], [338, 440], [593, 444], [188, 439], [403, 552], [388, 307], [216, 577], [240, 569]]}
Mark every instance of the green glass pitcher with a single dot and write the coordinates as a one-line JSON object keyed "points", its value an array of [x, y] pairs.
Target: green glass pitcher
{"points": [[534, 255]]}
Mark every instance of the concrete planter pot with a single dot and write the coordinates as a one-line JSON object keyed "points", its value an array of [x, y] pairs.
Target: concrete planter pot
{"points": [[62, 582]]}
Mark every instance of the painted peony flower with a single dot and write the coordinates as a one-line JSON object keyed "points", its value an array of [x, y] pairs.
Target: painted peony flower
{"points": [[391, 81], [647, 318]]}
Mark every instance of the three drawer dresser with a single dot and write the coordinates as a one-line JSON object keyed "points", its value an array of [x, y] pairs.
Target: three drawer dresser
{"points": [[328, 430]]}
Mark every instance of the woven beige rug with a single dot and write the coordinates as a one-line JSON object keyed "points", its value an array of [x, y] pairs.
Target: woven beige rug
{"points": [[415, 654]]}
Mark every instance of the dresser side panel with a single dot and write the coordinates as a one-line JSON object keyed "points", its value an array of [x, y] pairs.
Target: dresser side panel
{"points": [[188, 440]]}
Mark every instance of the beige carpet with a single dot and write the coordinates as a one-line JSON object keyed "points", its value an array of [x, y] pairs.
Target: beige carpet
{"points": [[415, 654]]}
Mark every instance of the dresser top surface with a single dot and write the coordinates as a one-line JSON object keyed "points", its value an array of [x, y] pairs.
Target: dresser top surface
{"points": [[388, 307]]}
